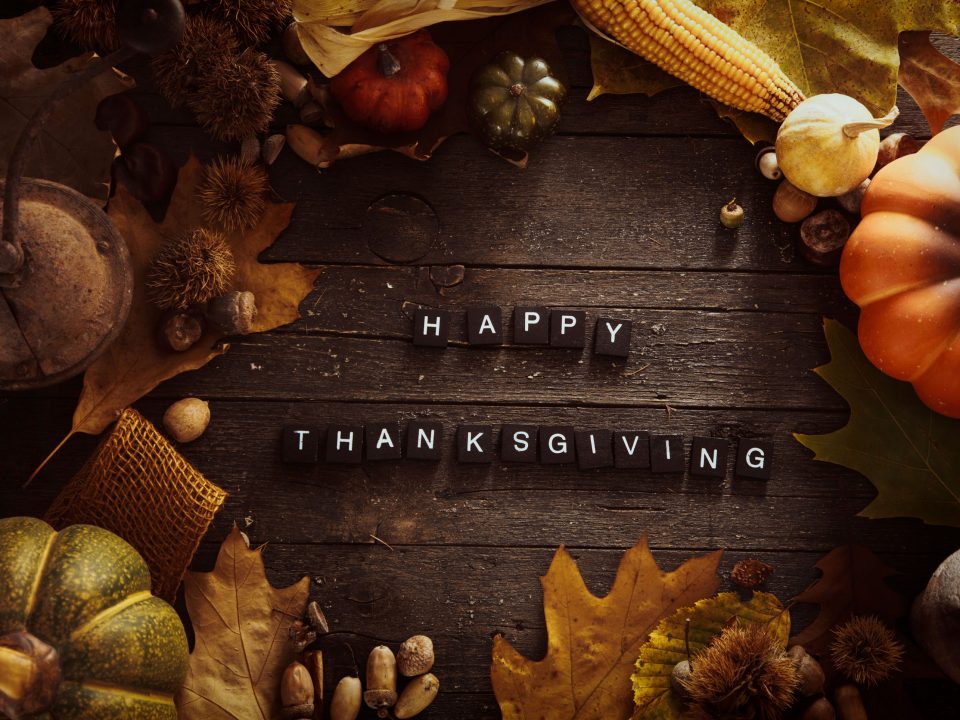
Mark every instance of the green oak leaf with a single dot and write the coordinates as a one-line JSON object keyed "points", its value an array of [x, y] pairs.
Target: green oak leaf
{"points": [[845, 46], [666, 646], [909, 452]]}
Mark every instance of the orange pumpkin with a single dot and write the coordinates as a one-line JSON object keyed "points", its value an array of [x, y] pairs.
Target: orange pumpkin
{"points": [[394, 86], [902, 267]]}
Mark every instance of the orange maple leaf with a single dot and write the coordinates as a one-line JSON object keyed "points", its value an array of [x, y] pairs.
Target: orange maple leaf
{"points": [[593, 643]]}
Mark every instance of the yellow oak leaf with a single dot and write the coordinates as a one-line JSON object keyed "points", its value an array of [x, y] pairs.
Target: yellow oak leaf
{"points": [[592, 643], [668, 645], [242, 643]]}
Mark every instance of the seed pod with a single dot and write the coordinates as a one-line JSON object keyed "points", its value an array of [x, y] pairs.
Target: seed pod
{"points": [[811, 674], [850, 703], [731, 215], [819, 709], [381, 692], [851, 201], [233, 313], [296, 692], [415, 656], [180, 331], [791, 204], [823, 236], [417, 696], [346, 701], [767, 164]]}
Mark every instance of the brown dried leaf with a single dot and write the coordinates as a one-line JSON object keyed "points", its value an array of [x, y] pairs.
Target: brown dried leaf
{"points": [[70, 150], [593, 643], [931, 78], [135, 364], [242, 646], [468, 45]]}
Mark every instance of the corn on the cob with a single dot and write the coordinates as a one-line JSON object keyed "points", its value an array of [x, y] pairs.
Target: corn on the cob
{"points": [[693, 45]]}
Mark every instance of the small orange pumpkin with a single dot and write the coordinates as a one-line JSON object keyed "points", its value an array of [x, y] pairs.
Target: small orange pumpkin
{"points": [[902, 267], [394, 86]]}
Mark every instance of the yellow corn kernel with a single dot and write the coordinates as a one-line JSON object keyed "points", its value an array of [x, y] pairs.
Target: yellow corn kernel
{"points": [[691, 44]]}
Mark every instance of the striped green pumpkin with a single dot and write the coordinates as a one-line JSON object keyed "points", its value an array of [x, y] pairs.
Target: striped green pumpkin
{"points": [[85, 593]]}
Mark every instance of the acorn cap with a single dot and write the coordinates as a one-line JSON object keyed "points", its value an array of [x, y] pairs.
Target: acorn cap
{"points": [[415, 656]]}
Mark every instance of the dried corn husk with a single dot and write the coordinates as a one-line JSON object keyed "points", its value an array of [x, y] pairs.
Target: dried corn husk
{"points": [[375, 21]]}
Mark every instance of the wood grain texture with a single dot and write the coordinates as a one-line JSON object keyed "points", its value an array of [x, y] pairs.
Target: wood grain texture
{"points": [[616, 216]]}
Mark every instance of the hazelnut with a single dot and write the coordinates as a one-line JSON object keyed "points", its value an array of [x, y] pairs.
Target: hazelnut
{"points": [[791, 204], [415, 656], [186, 419]]}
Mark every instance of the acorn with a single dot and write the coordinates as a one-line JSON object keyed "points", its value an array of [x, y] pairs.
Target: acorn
{"points": [[180, 330], [791, 204], [811, 674], [381, 693], [296, 692], [233, 313], [731, 215], [346, 701], [767, 165], [819, 709], [895, 146], [417, 696], [415, 656]]}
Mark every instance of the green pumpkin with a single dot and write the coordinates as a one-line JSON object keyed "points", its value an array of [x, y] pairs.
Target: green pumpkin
{"points": [[514, 102], [81, 637]]}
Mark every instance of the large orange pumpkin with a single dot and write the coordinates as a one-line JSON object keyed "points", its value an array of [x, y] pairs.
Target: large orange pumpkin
{"points": [[902, 267]]}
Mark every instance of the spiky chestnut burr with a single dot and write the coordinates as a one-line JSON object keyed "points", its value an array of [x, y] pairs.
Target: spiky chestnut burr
{"points": [[190, 270], [206, 46], [252, 20], [232, 193], [91, 24], [865, 650]]}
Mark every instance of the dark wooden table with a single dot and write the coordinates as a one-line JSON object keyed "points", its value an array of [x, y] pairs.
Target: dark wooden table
{"points": [[616, 215]]}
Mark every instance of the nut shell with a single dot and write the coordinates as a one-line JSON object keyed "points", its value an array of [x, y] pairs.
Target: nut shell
{"points": [[347, 699], [187, 419], [415, 656], [417, 696]]}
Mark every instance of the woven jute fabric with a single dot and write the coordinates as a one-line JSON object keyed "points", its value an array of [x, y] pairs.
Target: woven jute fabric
{"points": [[138, 486]]}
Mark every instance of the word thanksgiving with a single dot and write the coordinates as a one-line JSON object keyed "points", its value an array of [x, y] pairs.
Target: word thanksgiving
{"points": [[549, 445]]}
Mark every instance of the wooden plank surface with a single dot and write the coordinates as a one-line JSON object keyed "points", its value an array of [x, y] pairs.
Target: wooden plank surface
{"points": [[617, 216]]}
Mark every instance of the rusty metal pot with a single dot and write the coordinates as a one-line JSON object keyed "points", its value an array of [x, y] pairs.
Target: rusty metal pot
{"points": [[66, 283]]}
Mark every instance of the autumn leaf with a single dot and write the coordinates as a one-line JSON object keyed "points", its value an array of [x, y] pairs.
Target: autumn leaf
{"points": [[242, 625], [468, 45], [70, 149], [135, 364], [909, 452], [827, 46], [668, 645], [592, 643], [931, 78]]}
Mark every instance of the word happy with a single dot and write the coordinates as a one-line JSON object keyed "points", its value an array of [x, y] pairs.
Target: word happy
{"points": [[548, 445], [531, 326]]}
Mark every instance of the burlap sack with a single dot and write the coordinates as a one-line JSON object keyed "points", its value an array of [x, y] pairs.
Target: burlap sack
{"points": [[139, 487]]}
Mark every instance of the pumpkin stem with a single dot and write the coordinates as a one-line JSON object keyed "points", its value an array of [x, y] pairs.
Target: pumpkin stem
{"points": [[853, 129], [29, 675], [387, 62], [517, 89]]}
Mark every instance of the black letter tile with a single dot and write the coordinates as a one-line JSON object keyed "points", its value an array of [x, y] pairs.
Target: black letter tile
{"points": [[300, 444], [612, 337], [594, 449], [754, 459], [631, 449], [423, 440], [344, 443], [383, 441], [556, 445], [431, 328], [531, 326], [518, 443], [484, 326], [568, 328], [666, 454], [475, 444], [708, 457]]}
